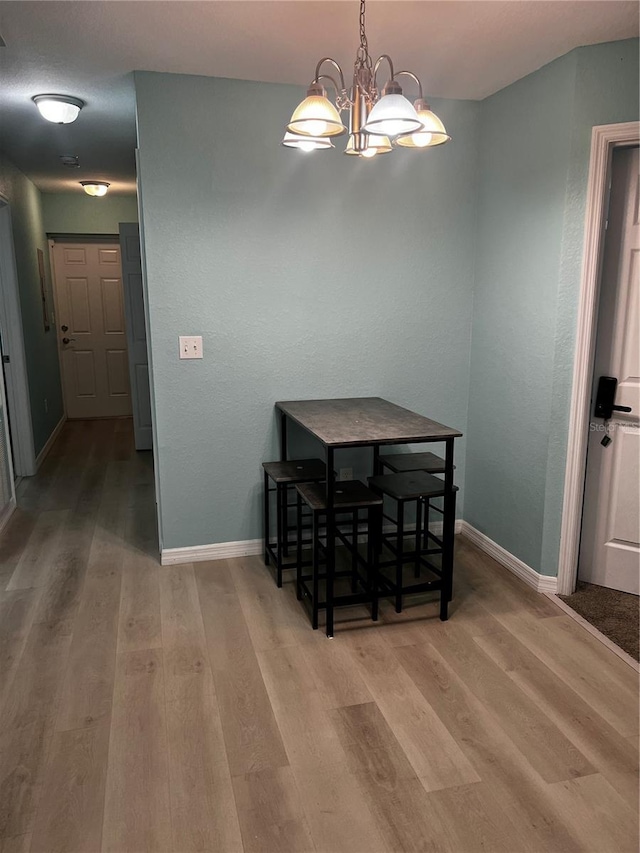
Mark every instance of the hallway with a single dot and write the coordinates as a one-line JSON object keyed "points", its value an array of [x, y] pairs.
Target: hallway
{"points": [[82, 538], [192, 708]]}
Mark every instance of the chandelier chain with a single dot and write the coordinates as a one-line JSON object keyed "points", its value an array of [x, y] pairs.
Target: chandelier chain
{"points": [[363, 32], [363, 60]]}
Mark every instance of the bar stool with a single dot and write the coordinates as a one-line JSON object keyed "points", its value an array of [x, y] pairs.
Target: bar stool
{"points": [[399, 462], [349, 499], [417, 487], [402, 462], [285, 475]]}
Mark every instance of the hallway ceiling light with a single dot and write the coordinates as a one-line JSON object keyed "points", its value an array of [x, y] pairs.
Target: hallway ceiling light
{"points": [[59, 109], [374, 117], [95, 188]]}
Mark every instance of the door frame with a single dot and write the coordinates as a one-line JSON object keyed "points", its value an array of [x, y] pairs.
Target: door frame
{"points": [[17, 385], [604, 138]]}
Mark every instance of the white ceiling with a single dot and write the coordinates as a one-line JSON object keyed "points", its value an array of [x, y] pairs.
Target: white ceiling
{"points": [[459, 48]]}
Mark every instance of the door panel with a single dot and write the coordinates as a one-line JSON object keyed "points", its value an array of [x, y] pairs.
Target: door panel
{"points": [[74, 256], [609, 545], [78, 301], [85, 372], [629, 377], [112, 306], [91, 330], [136, 334], [138, 330], [117, 372], [143, 403], [624, 516], [109, 256]]}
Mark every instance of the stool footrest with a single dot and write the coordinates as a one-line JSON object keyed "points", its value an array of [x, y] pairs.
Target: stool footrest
{"points": [[409, 589]]}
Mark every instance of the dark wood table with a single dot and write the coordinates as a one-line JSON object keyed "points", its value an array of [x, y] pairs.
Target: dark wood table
{"points": [[369, 422]]}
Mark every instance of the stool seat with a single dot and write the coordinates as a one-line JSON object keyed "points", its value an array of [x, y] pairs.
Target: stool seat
{"points": [[409, 485], [399, 462], [347, 495], [296, 470]]}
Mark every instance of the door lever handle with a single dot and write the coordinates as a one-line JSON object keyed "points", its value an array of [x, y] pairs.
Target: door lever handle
{"points": [[605, 407], [67, 340]]}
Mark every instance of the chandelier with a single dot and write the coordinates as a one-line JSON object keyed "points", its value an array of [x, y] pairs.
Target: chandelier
{"points": [[378, 121]]}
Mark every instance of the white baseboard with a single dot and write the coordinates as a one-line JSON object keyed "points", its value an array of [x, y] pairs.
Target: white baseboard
{"points": [[50, 441], [252, 547], [436, 527], [7, 513], [541, 583], [217, 551], [245, 548]]}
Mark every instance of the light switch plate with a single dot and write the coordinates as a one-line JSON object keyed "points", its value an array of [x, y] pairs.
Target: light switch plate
{"points": [[190, 346]]}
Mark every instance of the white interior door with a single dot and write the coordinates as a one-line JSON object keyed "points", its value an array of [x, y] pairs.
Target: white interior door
{"points": [[91, 330], [609, 547], [136, 333]]}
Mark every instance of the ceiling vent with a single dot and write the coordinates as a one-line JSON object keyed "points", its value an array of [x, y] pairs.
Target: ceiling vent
{"points": [[70, 160]]}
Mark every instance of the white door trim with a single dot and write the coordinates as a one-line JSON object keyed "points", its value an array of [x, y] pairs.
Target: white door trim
{"points": [[24, 458], [604, 139]]}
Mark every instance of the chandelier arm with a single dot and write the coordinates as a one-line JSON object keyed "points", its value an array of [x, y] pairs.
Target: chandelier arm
{"points": [[379, 60], [336, 66], [415, 79], [320, 77]]}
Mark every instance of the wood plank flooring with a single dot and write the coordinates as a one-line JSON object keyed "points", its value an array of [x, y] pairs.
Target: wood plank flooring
{"points": [[192, 708]]}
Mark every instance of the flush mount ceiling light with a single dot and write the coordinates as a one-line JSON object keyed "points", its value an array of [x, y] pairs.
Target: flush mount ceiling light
{"points": [[95, 188], [376, 118], [60, 109]]}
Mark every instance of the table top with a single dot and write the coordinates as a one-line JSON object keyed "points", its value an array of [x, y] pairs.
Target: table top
{"points": [[360, 421]]}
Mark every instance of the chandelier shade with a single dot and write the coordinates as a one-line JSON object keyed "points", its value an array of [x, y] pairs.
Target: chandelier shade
{"points": [[391, 116], [316, 116], [433, 131], [307, 143], [372, 145]]}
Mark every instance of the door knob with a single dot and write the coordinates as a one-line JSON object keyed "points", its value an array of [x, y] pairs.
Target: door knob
{"points": [[67, 340], [64, 328]]}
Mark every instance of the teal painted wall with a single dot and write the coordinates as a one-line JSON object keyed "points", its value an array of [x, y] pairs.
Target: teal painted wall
{"points": [[533, 161], [256, 257], [306, 276], [40, 347], [78, 213]]}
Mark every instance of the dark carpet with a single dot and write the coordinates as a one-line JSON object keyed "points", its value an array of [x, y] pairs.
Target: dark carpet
{"points": [[615, 614]]}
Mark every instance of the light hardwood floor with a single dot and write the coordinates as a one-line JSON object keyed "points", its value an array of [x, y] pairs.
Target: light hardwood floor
{"points": [[193, 708]]}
